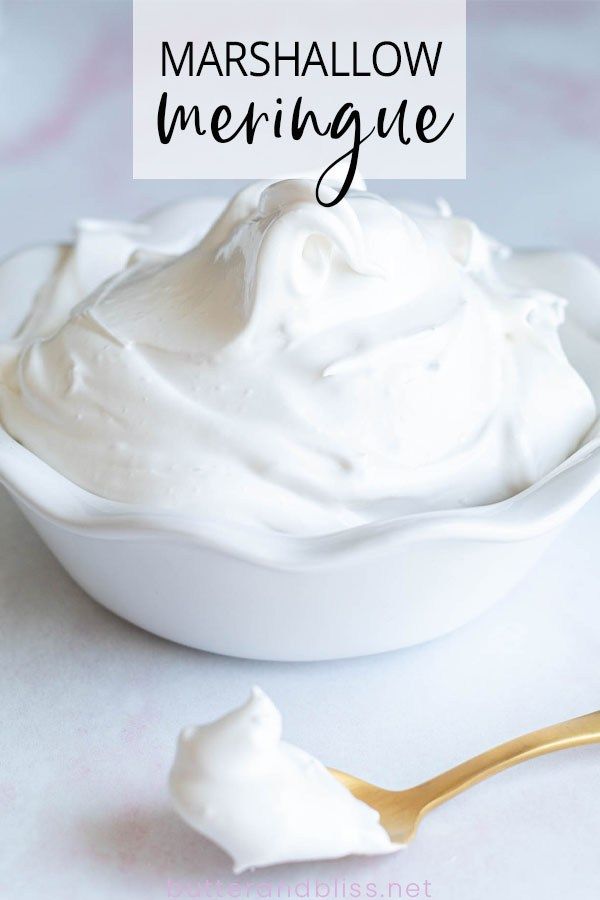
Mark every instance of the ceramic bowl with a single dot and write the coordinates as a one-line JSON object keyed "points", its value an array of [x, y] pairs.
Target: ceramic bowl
{"points": [[368, 589]]}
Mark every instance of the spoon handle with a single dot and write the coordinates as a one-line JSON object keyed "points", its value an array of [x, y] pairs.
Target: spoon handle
{"points": [[572, 733]]}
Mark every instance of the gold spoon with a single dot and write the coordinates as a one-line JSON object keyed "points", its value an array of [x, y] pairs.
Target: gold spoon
{"points": [[401, 811]]}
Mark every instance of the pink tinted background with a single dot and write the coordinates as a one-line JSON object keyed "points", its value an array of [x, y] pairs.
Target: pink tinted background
{"points": [[533, 122]]}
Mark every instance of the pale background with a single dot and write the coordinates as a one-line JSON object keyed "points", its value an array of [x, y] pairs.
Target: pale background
{"points": [[91, 706]]}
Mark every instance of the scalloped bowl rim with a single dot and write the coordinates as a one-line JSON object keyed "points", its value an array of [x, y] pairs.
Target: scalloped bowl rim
{"points": [[541, 508]]}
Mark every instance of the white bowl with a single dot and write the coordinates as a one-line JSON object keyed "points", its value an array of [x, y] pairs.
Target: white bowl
{"points": [[365, 590]]}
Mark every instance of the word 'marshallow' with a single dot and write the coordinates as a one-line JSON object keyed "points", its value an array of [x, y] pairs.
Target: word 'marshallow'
{"points": [[223, 127], [263, 58]]}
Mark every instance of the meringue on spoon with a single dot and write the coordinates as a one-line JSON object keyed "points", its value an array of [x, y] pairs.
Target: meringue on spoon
{"points": [[266, 802], [263, 800]]}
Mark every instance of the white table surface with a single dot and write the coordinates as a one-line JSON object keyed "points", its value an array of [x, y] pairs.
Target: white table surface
{"points": [[91, 706]]}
